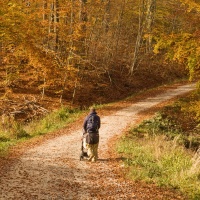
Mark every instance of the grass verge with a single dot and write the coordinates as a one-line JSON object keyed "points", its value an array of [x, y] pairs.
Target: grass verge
{"points": [[157, 150], [12, 132], [156, 160]]}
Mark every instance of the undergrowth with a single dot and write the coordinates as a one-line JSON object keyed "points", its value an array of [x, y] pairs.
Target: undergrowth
{"points": [[165, 150], [12, 132], [156, 160]]}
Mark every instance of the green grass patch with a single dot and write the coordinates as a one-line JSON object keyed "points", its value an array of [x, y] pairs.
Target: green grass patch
{"points": [[161, 161], [162, 150], [53, 121], [13, 132]]}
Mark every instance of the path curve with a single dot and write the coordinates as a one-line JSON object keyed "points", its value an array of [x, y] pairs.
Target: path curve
{"points": [[52, 170]]}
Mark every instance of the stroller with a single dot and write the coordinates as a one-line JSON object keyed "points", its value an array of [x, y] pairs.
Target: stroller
{"points": [[83, 153]]}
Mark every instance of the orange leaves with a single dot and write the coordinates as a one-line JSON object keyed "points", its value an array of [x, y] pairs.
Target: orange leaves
{"points": [[192, 5]]}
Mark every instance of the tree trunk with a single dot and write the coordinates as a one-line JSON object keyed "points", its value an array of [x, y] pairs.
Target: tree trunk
{"points": [[146, 16], [149, 18], [56, 21], [45, 17], [139, 36], [107, 16], [70, 54]]}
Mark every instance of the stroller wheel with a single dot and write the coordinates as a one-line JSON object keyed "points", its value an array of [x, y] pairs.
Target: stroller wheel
{"points": [[81, 157]]}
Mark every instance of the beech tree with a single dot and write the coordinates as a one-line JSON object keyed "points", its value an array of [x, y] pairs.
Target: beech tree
{"points": [[57, 46], [181, 43], [145, 22]]}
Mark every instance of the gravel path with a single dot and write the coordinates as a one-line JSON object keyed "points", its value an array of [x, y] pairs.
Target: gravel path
{"points": [[52, 170]]}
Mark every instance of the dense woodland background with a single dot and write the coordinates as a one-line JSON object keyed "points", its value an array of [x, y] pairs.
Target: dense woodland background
{"points": [[81, 52], [57, 57]]}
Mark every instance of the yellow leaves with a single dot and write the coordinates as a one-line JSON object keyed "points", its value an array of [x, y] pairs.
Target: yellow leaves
{"points": [[185, 52], [2, 34], [157, 48], [147, 35], [71, 68], [187, 36], [162, 44], [192, 5], [11, 5], [195, 108], [58, 92], [13, 8], [183, 48], [198, 50]]}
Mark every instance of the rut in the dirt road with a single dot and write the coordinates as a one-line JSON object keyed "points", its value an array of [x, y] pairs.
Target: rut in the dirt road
{"points": [[52, 170]]}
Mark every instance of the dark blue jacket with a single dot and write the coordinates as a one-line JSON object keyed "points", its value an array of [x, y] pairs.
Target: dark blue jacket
{"points": [[86, 120]]}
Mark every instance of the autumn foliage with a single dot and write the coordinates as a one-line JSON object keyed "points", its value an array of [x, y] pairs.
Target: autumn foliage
{"points": [[70, 49]]}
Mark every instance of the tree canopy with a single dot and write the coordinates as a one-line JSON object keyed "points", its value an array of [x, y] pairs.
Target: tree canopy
{"points": [[61, 47]]}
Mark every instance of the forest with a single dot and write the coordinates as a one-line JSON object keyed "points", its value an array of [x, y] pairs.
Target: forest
{"points": [[59, 47], [79, 53], [58, 57]]}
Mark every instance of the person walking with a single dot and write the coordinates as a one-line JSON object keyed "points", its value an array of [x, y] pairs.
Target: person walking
{"points": [[91, 127]]}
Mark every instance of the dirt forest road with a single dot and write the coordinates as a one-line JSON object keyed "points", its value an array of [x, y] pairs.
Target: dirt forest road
{"points": [[52, 170]]}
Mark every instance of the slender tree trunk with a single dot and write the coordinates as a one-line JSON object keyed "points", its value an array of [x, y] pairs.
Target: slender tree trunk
{"points": [[45, 17], [149, 18], [53, 25], [75, 86], [146, 16], [107, 16], [139, 36], [56, 21], [43, 88], [83, 19], [1, 53], [118, 28], [82, 52], [70, 54]]}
